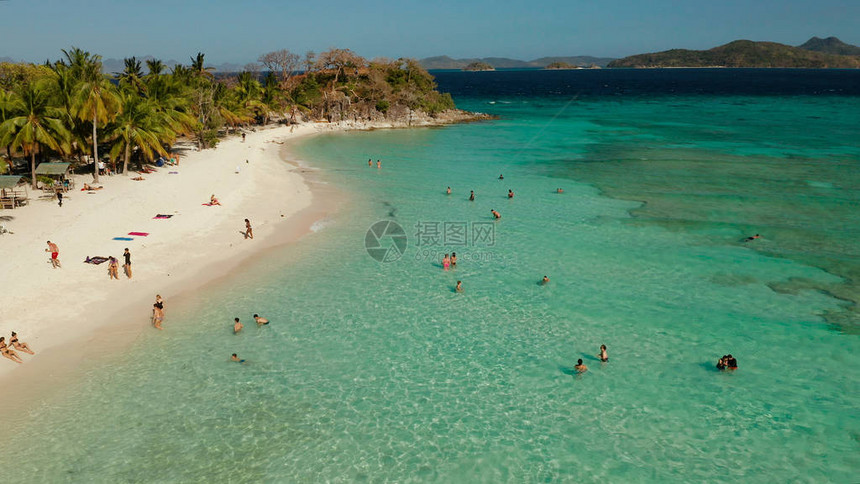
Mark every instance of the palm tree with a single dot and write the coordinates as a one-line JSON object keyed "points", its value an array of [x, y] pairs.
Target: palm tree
{"points": [[96, 97], [39, 124], [8, 105], [198, 66], [155, 66], [132, 75], [139, 125]]}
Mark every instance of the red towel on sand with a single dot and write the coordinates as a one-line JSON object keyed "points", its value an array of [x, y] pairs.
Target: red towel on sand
{"points": [[139, 234]]}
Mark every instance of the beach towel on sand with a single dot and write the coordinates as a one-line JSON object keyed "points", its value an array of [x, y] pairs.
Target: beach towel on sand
{"points": [[122, 238], [95, 260], [161, 215], [139, 234]]}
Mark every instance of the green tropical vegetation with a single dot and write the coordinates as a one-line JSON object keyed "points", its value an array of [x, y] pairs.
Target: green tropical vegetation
{"points": [[741, 53], [479, 66], [560, 65], [71, 109]]}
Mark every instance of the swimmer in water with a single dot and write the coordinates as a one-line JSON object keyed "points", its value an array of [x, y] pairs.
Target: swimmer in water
{"points": [[559, 190], [260, 321], [603, 356], [453, 260], [496, 214], [448, 191], [544, 281], [580, 366], [472, 196], [459, 286], [235, 358], [510, 194], [721, 363], [378, 164], [370, 162], [501, 177], [237, 326], [750, 239], [731, 362]]}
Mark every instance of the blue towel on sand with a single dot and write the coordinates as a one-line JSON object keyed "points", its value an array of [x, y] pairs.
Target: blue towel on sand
{"points": [[123, 238]]}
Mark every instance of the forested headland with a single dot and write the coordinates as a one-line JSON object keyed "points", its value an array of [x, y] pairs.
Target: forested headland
{"points": [[70, 109]]}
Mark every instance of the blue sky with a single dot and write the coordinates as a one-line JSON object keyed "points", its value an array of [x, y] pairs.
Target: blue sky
{"points": [[238, 31]]}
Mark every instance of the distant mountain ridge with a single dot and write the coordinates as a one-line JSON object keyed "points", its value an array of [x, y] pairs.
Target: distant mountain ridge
{"points": [[445, 62], [746, 53], [830, 45]]}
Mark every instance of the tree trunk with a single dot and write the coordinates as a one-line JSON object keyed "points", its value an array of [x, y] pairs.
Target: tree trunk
{"points": [[95, 150], [33, 165], [125, 159]]}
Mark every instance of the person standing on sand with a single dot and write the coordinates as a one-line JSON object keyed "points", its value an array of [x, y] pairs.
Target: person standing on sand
{"points": [[55, 253], [60, 198], [113, 268], [127, 266], [237, 326], [249, 234]]}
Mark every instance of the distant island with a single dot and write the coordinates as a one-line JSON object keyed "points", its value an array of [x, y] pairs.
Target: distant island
{"points": [[478, 67], [445, 62], [561, 66], [816, 53]]}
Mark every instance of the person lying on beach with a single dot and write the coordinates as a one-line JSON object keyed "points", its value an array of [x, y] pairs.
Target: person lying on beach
{"points": [[237, 326], [213, 200], [580, 366], [260, 321], [20, 345], [90, 188], [496, 214], [8, 353], [138, 178], [603, 356]]}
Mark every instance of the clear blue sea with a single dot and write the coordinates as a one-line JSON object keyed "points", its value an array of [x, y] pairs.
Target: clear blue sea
{"points": [[381, 372]]}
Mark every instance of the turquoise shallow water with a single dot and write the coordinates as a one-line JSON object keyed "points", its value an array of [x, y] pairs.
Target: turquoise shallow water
{"points": [[382, 372]]}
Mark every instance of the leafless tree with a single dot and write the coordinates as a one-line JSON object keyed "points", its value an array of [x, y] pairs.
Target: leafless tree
{"points": [[282, 62]]}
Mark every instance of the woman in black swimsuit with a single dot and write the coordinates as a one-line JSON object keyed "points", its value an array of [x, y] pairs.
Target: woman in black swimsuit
{"points": [[8, 353], [20, 345]]}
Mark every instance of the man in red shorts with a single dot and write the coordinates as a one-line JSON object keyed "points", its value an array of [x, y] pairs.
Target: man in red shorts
{"points": [[55, 252]]}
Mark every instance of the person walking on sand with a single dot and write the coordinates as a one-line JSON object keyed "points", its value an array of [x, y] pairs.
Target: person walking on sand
{"points": [[249, 233], [20, 345], [237, 326], [7, 352], [604, 357], [157, 317], [260, 321], [55, 253], [127, 266], [113, 268], [60, 198]]}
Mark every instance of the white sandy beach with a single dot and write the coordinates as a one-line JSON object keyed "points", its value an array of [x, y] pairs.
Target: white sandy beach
{"points": [[49, 308]]}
